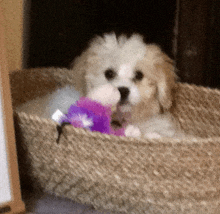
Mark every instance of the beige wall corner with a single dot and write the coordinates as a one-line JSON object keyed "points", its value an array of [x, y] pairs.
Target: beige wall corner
{"points": [[13, 24]]}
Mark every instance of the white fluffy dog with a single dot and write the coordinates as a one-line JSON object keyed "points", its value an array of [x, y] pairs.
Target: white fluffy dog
{"points": [[141, 72], [143, 75]]}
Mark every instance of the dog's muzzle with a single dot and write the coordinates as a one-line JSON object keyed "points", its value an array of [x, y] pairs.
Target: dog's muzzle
{"points": [[124, 92]]}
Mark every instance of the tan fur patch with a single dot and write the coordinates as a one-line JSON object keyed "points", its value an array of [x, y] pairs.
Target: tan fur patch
{"points": [[156, 87]]}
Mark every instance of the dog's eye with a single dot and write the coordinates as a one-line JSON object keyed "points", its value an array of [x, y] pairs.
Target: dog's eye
{"points": [[138, 75], [110, 74]]}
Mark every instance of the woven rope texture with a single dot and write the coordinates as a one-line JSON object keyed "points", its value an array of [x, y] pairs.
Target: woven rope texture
{"points": [[119, 173]]}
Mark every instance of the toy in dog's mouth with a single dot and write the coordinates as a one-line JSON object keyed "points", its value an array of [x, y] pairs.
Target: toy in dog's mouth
{"points": [[121, 117]]}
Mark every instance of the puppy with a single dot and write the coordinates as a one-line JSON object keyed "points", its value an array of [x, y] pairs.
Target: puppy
{"points": [[143, 75]]}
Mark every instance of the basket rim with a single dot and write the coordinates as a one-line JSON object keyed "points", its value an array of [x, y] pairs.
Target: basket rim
{"points": [[186, 86], [192, 140]]}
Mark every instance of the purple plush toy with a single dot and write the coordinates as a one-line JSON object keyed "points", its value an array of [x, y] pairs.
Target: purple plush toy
{"points": [[94, 111]]}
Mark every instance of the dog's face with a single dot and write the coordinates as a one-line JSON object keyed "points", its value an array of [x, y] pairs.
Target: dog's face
{"points": [[141, 72]]}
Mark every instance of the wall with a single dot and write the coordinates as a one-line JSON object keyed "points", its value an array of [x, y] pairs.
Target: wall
{"points": [[13, 24]]}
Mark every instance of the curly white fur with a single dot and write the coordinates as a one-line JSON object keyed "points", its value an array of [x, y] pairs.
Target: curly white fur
{"points": [[149, 99], [143, 75]]}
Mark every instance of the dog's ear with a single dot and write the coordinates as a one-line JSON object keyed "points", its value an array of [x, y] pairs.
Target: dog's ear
{"points": [[166, 81], [77, 73], [79, 69]]}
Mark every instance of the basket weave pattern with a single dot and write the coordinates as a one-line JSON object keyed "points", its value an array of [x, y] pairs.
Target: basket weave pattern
{"points": [[119, 173]]}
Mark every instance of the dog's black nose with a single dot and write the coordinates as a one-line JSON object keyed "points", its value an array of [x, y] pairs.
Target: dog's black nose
{"points": [[124, 91]]}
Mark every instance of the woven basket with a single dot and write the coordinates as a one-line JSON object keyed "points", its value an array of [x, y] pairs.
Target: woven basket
{"points": [[118, 173]]}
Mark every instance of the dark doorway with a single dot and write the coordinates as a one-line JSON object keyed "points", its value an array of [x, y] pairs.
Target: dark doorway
{"points": [[199, 42], [60, 29]]}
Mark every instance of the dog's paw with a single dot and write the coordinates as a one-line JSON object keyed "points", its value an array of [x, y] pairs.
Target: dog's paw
{"points": [[152, 135], [132, 131]]}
